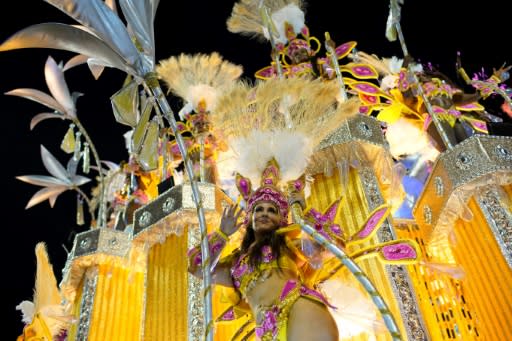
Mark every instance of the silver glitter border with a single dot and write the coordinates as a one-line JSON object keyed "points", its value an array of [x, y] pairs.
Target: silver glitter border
{"points": [[196, 327], [499, 220], [87, 304], [397, 275]]}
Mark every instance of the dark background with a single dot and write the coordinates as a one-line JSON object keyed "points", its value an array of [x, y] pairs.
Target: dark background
{"points": [[434, 33]]}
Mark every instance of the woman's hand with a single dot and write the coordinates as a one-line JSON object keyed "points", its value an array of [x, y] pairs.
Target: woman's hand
{"points": [[230, 222]]}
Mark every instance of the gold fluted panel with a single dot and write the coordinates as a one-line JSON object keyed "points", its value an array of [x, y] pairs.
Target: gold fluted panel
{"points": [[166, 295], [478, 162], [477, 303], [168, 309], [118, 303], [488, 277], [354, 211], [73, 329], [442, 297]]}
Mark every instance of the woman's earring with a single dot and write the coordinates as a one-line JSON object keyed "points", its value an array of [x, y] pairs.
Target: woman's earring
{"points": [[253, 221]]}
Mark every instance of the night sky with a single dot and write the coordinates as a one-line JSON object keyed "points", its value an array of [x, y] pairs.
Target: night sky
{"points": [[433, 34]]}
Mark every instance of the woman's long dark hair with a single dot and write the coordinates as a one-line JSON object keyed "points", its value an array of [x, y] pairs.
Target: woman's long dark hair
{"points": [[270, 238]]}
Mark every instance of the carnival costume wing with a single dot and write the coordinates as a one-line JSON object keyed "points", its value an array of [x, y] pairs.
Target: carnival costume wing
{"points": [[354, 311], [352, 308], [397, 251]]}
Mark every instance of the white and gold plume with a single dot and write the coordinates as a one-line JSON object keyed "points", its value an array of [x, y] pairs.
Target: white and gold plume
{"points": [[198, 79], [246, 18], [281, 118]]}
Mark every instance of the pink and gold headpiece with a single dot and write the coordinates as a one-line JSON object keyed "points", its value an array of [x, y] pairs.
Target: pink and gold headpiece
{"points": [[268, 191]]}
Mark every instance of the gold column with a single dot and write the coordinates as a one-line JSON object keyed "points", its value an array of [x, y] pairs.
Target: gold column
{"points": [[360, 143], [104, 282], [76, 309], [118, 306], [166, 290], [167, 227], [439, 284], [465, 211], [488, 281]]}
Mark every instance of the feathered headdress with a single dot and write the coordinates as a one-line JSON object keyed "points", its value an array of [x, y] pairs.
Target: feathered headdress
{"points": [[287, 19], [281, 120], [199, 79]]}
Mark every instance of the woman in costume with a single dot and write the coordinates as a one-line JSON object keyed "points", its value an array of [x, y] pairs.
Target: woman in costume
{"points": [[272, 129], [268, 269]]}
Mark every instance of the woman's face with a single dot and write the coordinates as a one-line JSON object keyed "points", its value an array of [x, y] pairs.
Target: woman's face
{"points": [[266, 217]]}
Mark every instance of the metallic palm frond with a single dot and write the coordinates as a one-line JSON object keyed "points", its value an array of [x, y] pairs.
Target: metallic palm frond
{"points": [[58, 87], [61, 179], [69, 38], [98, 17], [140, 16], [39, 97]]}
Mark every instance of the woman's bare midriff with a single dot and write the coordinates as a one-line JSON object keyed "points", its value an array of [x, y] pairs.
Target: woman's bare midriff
{"points": [[267, 292]]}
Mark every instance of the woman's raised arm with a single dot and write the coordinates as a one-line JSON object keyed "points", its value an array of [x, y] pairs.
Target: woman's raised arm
{"points": [[217, 241]]}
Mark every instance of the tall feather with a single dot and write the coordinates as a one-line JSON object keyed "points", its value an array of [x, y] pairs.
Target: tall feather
{"points": [[291, 104], [199, 76], [45, 291], [47, 298]]}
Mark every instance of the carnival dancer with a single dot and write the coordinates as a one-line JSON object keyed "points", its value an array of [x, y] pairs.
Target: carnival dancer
{"points": [[266, 128], [268, 269]]}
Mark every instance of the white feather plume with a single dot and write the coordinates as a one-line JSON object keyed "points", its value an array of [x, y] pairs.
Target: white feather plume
{"points": [[290, 149], [202, 92], [198, 77], [280, 118], [399, 135], [27, 310], [292, 14], [389, 82], [246, 18]]}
